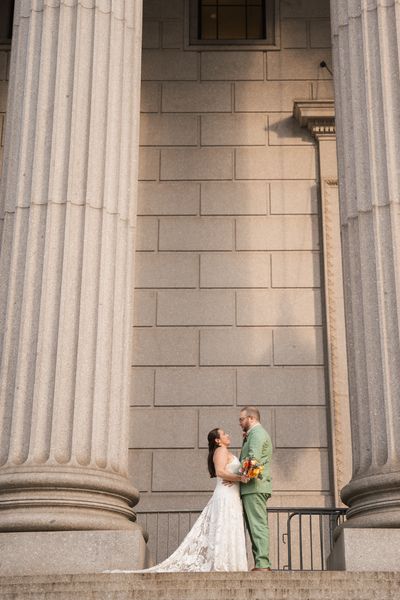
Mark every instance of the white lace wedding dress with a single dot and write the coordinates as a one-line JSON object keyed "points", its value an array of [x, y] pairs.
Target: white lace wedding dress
{"points": [[216, 541]]}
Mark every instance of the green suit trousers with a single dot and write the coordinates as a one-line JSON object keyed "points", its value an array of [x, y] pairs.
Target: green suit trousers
{"points": [[256, 517]]}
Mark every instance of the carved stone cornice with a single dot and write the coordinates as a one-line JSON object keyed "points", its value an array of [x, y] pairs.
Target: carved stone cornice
{"points": [[317, 115]]}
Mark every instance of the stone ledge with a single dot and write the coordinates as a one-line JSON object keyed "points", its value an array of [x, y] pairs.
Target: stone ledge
{"points": [[56, 553], [359, 549], [313, 110], [317, 115]]}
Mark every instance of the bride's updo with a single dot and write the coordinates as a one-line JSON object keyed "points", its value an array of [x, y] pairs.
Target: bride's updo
{"points": [[213, 438]]}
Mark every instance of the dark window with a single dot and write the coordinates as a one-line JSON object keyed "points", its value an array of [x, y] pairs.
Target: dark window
{"points": [[6, 19], [232, 20]]}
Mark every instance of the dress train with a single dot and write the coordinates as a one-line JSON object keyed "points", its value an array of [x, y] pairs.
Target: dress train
{"points": [[216, 541]]}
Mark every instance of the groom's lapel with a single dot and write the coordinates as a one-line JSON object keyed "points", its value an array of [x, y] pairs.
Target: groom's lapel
{"points": [[244, 446], [242, 450]]}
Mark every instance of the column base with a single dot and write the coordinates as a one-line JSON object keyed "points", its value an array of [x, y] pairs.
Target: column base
{"points": [[54, 498], [71, 552], [362, 549]]}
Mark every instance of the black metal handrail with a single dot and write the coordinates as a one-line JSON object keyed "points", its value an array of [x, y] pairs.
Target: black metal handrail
{"points": [[325, 528], [300, 538]]}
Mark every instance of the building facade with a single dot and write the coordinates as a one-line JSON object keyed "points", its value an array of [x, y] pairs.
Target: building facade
{"points": [[171, 255]]}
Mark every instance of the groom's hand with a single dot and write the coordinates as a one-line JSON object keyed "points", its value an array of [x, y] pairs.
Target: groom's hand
{"points": [[228, 483]]}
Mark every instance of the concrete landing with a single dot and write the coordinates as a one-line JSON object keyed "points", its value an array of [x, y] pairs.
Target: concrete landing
{"points": [[293, 585]]}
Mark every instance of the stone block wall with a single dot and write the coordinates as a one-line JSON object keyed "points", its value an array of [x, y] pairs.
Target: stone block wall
{"points": [[228, 306]]}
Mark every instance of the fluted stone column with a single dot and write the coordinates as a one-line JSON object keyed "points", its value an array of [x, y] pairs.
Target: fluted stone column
{"points": [[68, 194], [366, 38]]}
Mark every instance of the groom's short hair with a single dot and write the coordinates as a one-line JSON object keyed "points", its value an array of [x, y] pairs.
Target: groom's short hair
{"points": [[252, 411]]}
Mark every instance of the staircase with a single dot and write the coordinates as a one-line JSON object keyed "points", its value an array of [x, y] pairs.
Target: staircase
{"points": [[294, 585]]}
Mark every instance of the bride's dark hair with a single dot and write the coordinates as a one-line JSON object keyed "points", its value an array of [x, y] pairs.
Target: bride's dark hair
{"points": [[212, 437]]}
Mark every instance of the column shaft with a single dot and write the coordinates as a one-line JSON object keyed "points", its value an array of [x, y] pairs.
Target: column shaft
{"points": [[366, 38], [68, 192]]}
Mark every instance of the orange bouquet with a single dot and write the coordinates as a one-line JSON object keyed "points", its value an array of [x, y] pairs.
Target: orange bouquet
{"points": [[251, 468]]}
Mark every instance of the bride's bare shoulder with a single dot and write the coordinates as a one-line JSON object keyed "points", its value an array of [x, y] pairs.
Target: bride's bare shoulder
{"points": [[221, 451], [221, 456]]}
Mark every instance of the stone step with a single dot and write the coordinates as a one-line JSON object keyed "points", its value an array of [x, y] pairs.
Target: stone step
{"points": [[205, 586]]}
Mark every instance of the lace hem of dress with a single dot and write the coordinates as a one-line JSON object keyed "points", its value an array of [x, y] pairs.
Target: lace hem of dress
{"points": [[217, 540]]}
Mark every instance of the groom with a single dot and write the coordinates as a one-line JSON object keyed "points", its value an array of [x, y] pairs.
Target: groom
{"points": [[255, 493]]}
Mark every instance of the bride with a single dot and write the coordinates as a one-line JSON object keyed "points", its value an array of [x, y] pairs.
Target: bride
{"points": [[217, 540]]}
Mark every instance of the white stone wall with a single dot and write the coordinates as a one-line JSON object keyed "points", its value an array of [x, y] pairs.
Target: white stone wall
{"points": [[228, 303]]}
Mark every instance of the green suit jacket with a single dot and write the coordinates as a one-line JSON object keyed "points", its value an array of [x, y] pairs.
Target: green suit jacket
{"points": [[259, 445]]}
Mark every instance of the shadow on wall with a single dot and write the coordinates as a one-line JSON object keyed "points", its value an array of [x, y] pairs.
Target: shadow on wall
{"points": [[284, 127]]}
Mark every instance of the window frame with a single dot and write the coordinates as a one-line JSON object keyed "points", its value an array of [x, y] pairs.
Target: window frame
{"points": [[192, 41]]}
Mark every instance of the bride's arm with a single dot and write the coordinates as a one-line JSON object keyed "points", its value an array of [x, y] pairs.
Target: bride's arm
{"points": [[221, 458]]}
